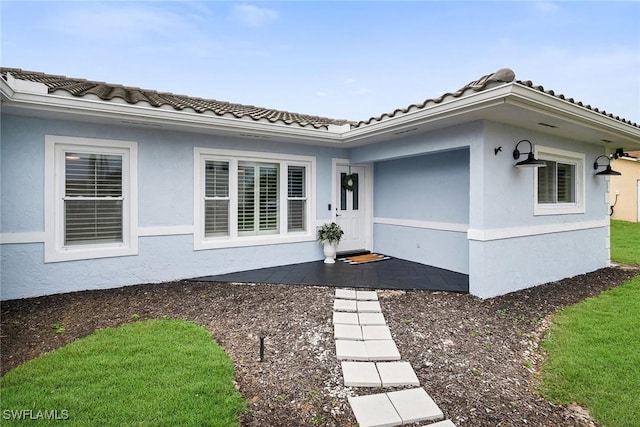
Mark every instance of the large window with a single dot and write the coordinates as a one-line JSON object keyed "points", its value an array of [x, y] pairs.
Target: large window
{"points": [[90, 203], [560, 185], [92, 198], [251, 198]]}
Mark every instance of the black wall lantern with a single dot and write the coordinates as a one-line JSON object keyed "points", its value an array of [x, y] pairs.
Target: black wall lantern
{"points": [[530, 161], [607, 170]]}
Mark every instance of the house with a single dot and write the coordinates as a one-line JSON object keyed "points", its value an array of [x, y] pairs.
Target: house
{"points": [[625, 188], [105, 185]]}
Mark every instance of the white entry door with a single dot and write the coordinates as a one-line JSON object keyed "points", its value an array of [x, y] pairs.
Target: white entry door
{"points": [[350, 209]]}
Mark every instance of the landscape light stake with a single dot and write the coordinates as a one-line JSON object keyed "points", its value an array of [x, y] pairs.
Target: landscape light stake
{"points": [[261, 336]]}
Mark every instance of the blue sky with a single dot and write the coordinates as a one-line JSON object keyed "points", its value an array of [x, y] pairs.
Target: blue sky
{"points": [[348, 60]]}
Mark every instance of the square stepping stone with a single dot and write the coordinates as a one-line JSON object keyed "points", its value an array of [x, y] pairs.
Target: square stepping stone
{"points": [[360, 374], [415, 405], [351, 350], [393, 374], [366, 295], [445, 423], [345, 294], [344, 305], [347, 332], [376, 332], [374, 410], [371, 319], [341, 317], [369, 307], [382, 350]]}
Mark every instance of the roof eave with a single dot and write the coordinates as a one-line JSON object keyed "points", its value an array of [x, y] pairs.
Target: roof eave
{"points": [[131, 114], [535, 100], [421, 119], [472, 106]]}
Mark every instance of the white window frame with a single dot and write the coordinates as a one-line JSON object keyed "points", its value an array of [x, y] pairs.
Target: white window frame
{"points": [[566, 157], [201, 155], [54, 247]]}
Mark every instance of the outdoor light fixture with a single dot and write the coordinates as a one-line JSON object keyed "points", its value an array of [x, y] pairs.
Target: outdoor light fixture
{"points": [[530, 162], [607, 170]]}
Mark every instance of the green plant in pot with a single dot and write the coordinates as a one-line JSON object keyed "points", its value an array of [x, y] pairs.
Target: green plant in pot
{"points": [[329, 235]]}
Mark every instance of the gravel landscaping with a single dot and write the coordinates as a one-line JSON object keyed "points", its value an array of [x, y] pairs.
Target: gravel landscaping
{"points": [[476, 358]]}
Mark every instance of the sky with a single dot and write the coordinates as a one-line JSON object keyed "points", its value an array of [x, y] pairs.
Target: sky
{"points": [[345, 60]]}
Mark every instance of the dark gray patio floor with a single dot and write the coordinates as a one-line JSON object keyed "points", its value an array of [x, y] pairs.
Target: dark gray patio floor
{"points": [[393, 273]]}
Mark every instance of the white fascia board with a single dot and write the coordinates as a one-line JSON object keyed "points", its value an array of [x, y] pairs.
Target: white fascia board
{"points": [[26, 85], [446, 109], [135, 114], [629, 159], [6, 91], [535, 100]]}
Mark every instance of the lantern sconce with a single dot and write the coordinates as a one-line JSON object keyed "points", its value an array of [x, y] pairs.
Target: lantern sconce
{"points": [[530, 161], [607, 168]]}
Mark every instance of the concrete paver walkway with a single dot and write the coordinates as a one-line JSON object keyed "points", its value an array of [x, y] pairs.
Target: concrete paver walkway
{"points": [[370, 358]]}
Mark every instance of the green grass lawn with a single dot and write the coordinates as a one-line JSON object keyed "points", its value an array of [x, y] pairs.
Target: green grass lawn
{"points": [[594, 356], [152, 373], [625, 242]]}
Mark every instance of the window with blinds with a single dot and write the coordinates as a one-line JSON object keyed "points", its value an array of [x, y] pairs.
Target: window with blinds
{"points": [[560, 186], [557, 183], [296, 198], [93, 198], [216, 198], [251, 198]]}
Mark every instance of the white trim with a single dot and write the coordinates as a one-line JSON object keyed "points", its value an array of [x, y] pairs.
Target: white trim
{"points": [[54, 249], [534, 230], [428, 225], [166, 230], [25, 237], [567, 157], [200, 154]]}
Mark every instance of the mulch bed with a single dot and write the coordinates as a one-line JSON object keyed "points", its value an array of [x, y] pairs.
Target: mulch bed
{"points": [[469, 354]]}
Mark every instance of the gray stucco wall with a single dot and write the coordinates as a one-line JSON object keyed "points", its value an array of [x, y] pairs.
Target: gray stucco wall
{"points": [[432, 192], [510, 247], [165, 199], [442, 198]]}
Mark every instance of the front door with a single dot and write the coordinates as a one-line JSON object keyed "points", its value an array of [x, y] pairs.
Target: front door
{"points": [[350, 207]]}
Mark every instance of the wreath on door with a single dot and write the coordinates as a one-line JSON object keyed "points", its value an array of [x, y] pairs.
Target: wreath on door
{"points": [[350, 181]]}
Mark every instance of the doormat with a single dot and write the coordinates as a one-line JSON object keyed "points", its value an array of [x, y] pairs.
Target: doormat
{"points": [[361, 259]]}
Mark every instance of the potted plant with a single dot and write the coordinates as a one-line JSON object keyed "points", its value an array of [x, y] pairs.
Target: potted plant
{"points": [[329, 235]]}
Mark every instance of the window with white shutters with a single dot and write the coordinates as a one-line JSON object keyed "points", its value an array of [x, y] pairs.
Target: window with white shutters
{"points": [[249, 198], [268, 194], [257, 198], [559, 185]]}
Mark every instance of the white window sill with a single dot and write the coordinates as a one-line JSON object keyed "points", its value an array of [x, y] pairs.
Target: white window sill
{"points": [[558, 209], [226, 242], [82, 253]]}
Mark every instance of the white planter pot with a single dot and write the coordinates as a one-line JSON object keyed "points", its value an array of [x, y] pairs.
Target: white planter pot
{"points": [[329, 250]]}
